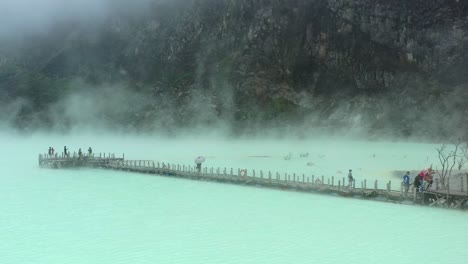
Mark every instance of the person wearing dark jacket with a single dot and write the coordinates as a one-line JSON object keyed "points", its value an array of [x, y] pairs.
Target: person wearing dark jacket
{"points": [[417, 183]]}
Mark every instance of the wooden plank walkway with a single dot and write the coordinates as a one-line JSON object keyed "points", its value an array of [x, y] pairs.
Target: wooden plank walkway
{"points": [[330, 185]]}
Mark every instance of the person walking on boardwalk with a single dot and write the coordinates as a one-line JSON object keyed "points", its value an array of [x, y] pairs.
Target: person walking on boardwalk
{"points": [[417, 183], [406, 182], [428, 180], [80, 153], [199, 160], [50, 151], [350, 179], [90, 151], [65, 153]]}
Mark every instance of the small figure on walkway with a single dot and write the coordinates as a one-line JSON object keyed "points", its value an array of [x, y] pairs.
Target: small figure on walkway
{"points": [[80, 153], [429, 179], [406, 182], [90, 151], [65, 151], [417, 183], [50, 151], [350, 178], [199, 160]]}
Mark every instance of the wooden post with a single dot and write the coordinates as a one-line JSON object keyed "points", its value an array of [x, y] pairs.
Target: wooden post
{"points": [[414, 194], [448, 192], [269, 176], [333, 181], [323, 179], [375, 185], [467, 182], [461, 179], [253, 173], [365, 184], [313, 179], [261, 174], [231, 172], [303, 178], [339, 185], [294, 177], [289, 178]]}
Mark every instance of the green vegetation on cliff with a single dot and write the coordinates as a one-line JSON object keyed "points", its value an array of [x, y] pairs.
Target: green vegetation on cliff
{"points": [[389, 67]]}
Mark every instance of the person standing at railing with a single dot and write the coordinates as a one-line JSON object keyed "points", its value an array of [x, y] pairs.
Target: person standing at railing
{"points": [[350, 179], [65, 153], [406, 182]]}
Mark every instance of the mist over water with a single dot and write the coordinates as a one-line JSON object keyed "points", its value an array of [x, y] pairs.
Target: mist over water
{"points": [[100, 216], [244, 84]]}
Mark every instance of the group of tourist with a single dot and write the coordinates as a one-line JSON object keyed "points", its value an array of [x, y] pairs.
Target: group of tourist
{"points": [[66, 153], [51, 151], [423, 181]]}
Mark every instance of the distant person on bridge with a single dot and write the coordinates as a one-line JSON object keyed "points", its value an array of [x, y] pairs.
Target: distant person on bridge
{"points": [[417, 183], [406, 182], [80, 153], [350, 179], [65, 153], [90, 151]]}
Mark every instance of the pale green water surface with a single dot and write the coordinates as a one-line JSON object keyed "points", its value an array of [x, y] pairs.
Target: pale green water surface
{"points": [[98, 216]]}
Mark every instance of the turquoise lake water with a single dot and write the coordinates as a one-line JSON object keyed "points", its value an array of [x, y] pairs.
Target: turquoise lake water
{"points": [[97, 216]]}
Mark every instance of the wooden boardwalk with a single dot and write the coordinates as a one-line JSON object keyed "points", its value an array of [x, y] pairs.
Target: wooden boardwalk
{"points": [[322, 184]]}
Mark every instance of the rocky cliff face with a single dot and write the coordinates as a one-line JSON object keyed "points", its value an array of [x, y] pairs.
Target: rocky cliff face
{"points": [[384, 66]]}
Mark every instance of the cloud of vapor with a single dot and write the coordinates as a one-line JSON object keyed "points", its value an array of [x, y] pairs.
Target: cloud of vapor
{"points": [[37, 16]]}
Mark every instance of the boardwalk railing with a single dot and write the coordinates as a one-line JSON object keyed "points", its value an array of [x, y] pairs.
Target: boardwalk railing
{"points": [[312, 183]]}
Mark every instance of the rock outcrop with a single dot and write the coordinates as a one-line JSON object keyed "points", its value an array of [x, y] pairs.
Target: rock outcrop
{"points": [[379, 66]]}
